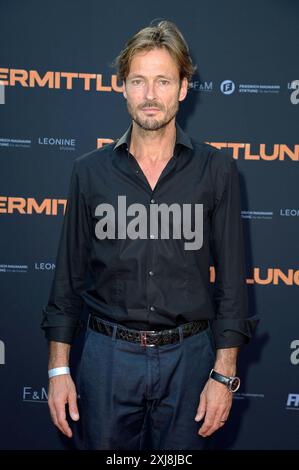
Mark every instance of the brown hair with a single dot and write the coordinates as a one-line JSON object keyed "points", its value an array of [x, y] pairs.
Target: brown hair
{"points": [[163, 35]]}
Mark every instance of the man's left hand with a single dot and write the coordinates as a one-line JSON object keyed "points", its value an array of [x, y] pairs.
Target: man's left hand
{"points": [[215, 404]]}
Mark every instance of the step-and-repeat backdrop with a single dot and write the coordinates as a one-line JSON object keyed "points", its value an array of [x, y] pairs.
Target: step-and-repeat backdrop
{"points": [[60, 98]]}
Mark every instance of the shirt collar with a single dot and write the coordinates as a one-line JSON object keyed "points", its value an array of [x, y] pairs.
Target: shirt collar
{"points": [[181, 138]]}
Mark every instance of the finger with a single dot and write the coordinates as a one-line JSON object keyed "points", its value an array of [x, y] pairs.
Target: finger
{"points": [[61, 419], [52, 412], [223, 419], [201, 410], [73, 408], [208, 423], [215, 423], [225, 415], [54, 415]]}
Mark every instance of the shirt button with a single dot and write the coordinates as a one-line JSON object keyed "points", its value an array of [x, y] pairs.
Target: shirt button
{"points": [[152, 201], [137, 171], [152, 236], [151, 273], [152, 308]]}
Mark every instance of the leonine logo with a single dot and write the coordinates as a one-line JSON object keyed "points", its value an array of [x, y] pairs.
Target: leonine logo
{"points": [[44, 266], [59, 80], [289, 212], [137, 227], [63, 144]]}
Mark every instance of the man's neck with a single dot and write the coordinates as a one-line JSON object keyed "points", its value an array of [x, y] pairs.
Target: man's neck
{"points": [[153, 146]]}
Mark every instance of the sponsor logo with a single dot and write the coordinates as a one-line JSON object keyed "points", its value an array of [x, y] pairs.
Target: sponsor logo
{"points": [[63, 144], [59, 80], [2, 352], [15, 143], [294, 357], [13, 268], [24, 268], [292, 401], [242, 396], [31, 395], [294, 96], [246, 151], [269, 276], [2, 93], [20, 205], [102, 142], [269, 214], [44, 266], [200, 86], [227, 87], [256, 214], [255, 88], [274, 276], [289, 212]]}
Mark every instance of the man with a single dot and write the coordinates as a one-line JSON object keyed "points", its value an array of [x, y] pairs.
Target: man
{"points": [[156, 328]]}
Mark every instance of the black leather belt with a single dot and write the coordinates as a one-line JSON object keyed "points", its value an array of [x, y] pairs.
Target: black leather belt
{"points": [[144, 337]]}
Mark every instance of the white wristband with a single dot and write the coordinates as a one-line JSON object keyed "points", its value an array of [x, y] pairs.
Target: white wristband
{"points": [[58, 371]]}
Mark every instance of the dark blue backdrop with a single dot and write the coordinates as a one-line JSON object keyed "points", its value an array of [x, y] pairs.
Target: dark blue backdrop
{"points": [[44, 126]]}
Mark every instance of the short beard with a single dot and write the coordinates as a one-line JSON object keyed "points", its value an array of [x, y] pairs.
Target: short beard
{"points": [[153, 124]]}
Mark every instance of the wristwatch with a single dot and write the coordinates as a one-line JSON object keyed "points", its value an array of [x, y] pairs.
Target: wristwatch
{"points": [[232, 383]]}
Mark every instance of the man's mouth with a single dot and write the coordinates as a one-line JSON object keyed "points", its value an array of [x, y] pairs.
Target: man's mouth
{"points": [[150, 110]]}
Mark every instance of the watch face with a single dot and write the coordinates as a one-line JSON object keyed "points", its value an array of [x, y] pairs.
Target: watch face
{"points": [[235, 384]]}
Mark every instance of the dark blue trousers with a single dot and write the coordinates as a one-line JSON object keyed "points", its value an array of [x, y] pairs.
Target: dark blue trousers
{"points": [[135, 397]]}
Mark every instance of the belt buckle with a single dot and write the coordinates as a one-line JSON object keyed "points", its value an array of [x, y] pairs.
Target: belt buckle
{"points": [[143, 339]]}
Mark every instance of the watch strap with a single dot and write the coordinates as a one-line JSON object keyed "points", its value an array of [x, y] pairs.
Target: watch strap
{"points": [[232, 383], [219, 377]]}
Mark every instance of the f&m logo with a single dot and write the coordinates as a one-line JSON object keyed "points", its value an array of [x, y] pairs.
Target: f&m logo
{"points": [[29, 394]]}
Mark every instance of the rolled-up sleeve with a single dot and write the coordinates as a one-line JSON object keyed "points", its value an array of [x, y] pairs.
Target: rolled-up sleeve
{"points": [[232, 326], [61, 316]]}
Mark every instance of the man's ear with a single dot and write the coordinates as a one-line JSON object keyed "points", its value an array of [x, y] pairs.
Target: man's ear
{"points": [[183, 89], [124, 89]]}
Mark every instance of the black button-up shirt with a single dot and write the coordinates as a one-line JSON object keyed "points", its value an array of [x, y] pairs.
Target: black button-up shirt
{"points": [[152, 282]]}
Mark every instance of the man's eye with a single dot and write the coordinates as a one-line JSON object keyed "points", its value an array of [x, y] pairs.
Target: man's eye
{"points": [[164, 82], [136, 82]]}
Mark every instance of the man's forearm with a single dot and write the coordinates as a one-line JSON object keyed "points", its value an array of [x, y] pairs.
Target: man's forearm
{"points": [[58, 354], [226, 361]]}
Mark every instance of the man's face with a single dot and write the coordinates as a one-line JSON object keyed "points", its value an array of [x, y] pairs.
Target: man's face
{"points": [[153, 90]]}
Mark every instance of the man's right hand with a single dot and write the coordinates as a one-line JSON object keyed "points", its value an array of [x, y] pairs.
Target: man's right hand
{"points": [[61, 392]]}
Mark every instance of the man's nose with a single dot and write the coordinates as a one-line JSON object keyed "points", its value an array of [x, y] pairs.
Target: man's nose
{"points": [[150, 93]]}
